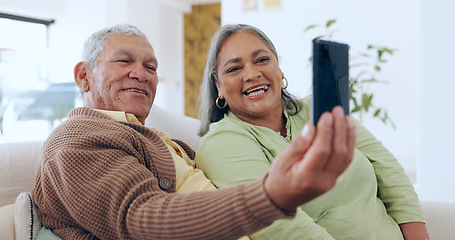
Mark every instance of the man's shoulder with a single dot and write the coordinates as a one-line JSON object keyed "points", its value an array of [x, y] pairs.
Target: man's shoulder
{"points": [[85, 124], [80, 120]]}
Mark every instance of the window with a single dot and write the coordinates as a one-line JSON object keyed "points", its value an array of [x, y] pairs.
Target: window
{"points": [[30, 105]]}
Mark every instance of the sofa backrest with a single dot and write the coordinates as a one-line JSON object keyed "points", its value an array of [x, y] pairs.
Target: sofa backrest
{"points": [[177, 125], [18, 160], [17, 169]]}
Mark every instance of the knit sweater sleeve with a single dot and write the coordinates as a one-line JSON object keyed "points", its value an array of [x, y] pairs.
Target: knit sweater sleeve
{"points": [[96, 180]]}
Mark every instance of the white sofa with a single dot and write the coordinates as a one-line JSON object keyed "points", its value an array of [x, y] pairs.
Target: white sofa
{"points": [[17, 174]]}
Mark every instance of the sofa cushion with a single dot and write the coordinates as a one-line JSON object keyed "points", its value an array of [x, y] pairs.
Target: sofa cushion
{"points": [[440, 219], [27, 223], [7, 222], [17, 169]]}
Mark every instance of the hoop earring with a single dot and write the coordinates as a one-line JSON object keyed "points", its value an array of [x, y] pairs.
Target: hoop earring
{"points": [[285, 85], [216, 103]]}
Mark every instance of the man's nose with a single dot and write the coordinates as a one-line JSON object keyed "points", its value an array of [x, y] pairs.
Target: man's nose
{"points": [[139, 73]]}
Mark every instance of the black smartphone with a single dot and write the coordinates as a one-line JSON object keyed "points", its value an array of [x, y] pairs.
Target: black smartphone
{"points": [[330, 77]]}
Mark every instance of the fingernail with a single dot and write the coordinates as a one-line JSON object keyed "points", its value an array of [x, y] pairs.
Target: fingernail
{"points": [[339, 112], [304, 132], [329, 119]]}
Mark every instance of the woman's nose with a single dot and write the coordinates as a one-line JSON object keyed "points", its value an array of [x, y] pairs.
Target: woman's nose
{"points": [[251, 73]]}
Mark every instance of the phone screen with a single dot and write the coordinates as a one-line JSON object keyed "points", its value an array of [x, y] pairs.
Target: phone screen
{"points": [[330, 77]]}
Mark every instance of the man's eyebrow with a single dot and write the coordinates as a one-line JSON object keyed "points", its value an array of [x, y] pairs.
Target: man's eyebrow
{"points": [[153, 60], [128, 53], [120, 52]]}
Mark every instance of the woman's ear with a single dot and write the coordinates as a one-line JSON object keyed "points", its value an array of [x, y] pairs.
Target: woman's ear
{"points": [[218, 87], [80, 76]]}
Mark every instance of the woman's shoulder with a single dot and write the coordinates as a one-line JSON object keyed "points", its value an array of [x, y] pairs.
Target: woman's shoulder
{"points": [[304, 111], [306, 102]]}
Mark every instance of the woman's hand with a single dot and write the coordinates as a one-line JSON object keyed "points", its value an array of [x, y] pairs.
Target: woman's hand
{"points": [[312, 162]]}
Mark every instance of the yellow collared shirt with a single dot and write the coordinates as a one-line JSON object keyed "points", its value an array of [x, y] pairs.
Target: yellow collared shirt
{"points": [[188, 177]]}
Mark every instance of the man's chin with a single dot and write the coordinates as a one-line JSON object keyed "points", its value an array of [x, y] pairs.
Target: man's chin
{"points": [[139, 114]]}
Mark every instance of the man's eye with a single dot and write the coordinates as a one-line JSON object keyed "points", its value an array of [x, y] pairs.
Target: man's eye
{"points": [[151, 68], [122, 60]]}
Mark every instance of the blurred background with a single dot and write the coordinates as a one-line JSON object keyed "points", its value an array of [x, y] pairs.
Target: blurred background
{"points": [[41, 41]]}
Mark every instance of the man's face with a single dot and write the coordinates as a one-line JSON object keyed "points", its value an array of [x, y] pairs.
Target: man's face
{"points": [[124, 77]]}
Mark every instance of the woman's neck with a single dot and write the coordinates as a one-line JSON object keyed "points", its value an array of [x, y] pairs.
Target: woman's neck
{"points": [[275, 121]]}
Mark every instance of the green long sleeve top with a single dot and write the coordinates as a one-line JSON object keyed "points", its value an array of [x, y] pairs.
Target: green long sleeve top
{"points": [[368, 201]]}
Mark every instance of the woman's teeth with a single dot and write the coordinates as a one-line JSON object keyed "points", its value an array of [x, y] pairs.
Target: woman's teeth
{"points": [[256, 91]]}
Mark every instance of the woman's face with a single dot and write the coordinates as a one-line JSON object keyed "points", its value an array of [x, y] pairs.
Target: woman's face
{"points": [[249, 77]]}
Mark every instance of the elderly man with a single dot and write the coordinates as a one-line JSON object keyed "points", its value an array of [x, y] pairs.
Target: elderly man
{"points": [[103, 175]]}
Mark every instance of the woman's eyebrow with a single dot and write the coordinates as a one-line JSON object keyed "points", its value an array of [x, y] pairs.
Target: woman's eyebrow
{"points": [[238, 59], [256, 52], [232, 60]]}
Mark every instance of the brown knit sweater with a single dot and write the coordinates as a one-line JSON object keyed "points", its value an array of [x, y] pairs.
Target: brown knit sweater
{"points": [[99, 179]]}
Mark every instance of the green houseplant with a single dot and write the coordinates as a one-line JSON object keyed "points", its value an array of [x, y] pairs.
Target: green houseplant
{"points": [[366, 66]]}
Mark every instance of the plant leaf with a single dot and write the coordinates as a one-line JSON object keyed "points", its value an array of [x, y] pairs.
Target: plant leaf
{"points": [[380, 52], [330, 22], [354, 101], [390, 51], [370, 80], [311, 27], [377, 112], [364, 54], [366, 100], [366, 65]]}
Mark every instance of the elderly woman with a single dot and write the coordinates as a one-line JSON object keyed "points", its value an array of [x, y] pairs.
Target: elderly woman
{"points": [[248, 118]]}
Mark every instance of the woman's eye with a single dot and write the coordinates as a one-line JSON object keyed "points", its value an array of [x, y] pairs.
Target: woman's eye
{"points": [[232, 69], [263, 60]]}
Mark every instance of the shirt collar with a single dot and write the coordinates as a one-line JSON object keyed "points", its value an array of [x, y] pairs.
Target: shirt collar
{"points": [[119, 116]]}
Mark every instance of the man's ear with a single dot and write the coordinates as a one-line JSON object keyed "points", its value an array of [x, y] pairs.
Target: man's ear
{"points": [[80, 76]]}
